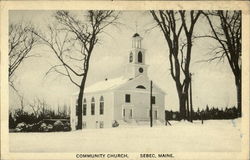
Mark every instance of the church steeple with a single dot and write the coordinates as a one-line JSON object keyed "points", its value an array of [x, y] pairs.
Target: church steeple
{"points": [[136, 41], [136, 64]]}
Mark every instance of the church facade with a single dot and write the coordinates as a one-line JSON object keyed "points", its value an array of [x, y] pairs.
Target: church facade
{"points": [[125, 99]]}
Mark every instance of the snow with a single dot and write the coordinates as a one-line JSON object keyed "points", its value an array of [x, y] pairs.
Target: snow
{"points": [[106, 85], [212, 136]]}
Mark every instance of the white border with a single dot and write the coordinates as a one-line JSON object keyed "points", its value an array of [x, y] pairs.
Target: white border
{"points": [[124, 5]]}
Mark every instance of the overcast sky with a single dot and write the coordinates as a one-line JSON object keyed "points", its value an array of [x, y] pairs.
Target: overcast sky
{"points": [[213, 83]]}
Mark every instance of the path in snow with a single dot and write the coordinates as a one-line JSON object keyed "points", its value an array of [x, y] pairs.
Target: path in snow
{"points": [[213, 135]]}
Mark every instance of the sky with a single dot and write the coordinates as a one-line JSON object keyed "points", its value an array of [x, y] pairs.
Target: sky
{"points": [[213, 83]]}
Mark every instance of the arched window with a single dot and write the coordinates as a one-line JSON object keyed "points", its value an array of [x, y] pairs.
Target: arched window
{"points": [[131, 57], [101, 105], [141, 87], [140, 57], [84, 107], [93, 106]]}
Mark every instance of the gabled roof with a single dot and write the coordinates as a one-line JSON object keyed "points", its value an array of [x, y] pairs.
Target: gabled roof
{"points": [[139, 80], [116, 83], [106, 85]]}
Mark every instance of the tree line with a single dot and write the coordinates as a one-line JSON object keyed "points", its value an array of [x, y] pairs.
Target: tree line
{"points": [[206, 114], [40, 110]]}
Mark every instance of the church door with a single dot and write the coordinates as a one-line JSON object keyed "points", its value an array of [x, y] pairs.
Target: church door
{"points": [[96, 124], [155, 114]]}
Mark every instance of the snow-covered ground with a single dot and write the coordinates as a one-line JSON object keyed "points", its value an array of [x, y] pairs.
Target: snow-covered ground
{"points": [[213, 135]]}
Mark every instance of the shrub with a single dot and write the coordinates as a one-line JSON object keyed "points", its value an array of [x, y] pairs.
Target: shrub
{"points": [[115, 124], [43, 127], [66, 127], [50, 127], [21, 127], [29, 127], [58, 126]]}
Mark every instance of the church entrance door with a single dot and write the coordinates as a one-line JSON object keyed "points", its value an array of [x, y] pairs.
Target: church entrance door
{"points": [[155, 114], [96, 124]]}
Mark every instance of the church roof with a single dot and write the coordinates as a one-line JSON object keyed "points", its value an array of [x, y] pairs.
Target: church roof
{"points": [[111, 84], [106, 85], [136, 35]]}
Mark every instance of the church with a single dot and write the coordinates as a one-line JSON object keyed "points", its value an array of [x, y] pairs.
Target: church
{"points": [[125, 99]]}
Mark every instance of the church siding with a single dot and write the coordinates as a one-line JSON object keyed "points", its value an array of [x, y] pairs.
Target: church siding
{"points": [[97, 120], [140, 104]]}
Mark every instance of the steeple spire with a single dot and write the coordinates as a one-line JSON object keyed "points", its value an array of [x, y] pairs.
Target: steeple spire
{"points": [[136, 25], [136, 39]]}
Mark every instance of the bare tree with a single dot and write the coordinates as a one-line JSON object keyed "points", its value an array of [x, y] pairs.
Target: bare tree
{"points": [[226, 30], [21, 41], [37, 107], [40, 108], [62, 110], [172, 24], [72, 41]]}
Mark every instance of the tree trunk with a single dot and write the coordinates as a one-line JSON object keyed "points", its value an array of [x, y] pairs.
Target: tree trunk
{"points": [[187, 103], [79, 109], [79, 104], [182, 105], [185, 96], [191, 101], [238, 87]]}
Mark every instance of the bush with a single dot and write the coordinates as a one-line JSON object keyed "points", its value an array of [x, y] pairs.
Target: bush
{"points": [[115, 124], [43, 127], [58, 126], [21, 127], [50, 127], [66, 127], [22, 116], [29, 127]]}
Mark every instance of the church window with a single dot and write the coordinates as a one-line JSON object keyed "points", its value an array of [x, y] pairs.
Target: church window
{"points": [[127, 98], [123, 112], [84, 108], [140, 70], [153, 99], [131, 113], [131, 57], [101, 105], [140, 57], [93, 106], [141, 87]]}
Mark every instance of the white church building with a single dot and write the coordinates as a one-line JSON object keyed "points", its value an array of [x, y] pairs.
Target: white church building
{"points": [[125, 99]]}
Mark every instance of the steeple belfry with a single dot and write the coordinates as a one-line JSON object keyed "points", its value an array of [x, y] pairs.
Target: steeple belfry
{"points": [[136, 41], [136, 65]]}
